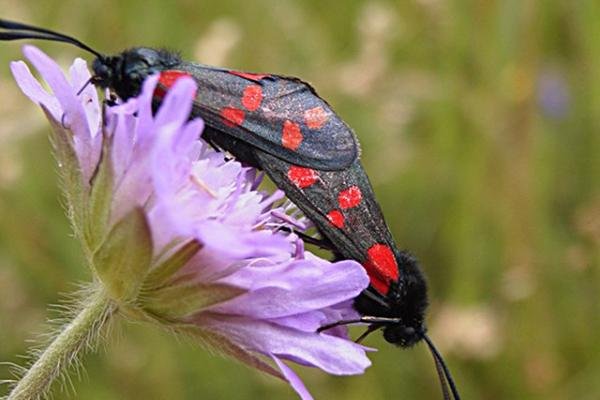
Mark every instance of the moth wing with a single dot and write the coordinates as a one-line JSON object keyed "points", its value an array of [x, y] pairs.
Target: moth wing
{"points": [[282, 116], [342, 206]]}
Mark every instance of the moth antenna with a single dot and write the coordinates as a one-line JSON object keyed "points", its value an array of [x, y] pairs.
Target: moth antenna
{"points": [[19, 31], [443, 371]]}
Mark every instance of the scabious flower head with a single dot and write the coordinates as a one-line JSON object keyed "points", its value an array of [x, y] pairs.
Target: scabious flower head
{"points": [[180, 236]]}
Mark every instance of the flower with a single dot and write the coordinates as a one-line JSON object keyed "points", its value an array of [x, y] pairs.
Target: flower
{"points": [[180, 236], [553, 93]]}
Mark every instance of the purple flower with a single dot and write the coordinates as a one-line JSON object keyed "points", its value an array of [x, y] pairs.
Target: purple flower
{"points": [[553, 93], [180, 236]]}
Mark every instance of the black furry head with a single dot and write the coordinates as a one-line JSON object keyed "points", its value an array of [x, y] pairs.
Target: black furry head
{"points": [[125, 73]]}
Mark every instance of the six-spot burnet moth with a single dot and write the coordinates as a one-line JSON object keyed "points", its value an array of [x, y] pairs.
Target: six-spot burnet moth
{"points": [[280, 124]]}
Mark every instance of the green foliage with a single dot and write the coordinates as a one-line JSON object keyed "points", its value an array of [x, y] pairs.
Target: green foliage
{"points": [[480, 130]]}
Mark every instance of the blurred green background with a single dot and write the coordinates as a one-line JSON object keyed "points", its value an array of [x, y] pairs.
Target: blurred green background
{"points": [[480, 129]]}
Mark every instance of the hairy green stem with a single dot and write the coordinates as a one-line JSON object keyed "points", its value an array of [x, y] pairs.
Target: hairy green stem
{"points": [[82, 332]]}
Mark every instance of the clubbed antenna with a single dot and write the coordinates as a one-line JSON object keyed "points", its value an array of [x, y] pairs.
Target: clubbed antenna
{"points": [[443, 372], [18, 31], [446, 380]]}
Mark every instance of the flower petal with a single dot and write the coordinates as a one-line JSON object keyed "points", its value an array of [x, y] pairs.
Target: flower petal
{"points": [[177, 104], [32, 89], [80, 77], [144, 100], [329, 353], [74, 114], [240, 244], [293, 379], [309, 287]]}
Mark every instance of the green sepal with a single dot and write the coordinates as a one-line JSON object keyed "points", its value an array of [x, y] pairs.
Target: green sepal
{"points": [[178, 301], [165, 270], [98, 211], [71, 176], [123, 260]]}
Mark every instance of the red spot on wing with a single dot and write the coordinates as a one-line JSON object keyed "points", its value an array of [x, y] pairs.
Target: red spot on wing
{"points": [[381, 266], [336, 218], [302, 177], [166, 80], [248, 75], [350, 197], [379, 285], [316, 117], [252, 97], [232, 116], [291, 136]]}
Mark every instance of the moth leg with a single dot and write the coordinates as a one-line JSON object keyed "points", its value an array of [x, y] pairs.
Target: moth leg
{"points": [[372, 328], [212, 144], [322, 243]]}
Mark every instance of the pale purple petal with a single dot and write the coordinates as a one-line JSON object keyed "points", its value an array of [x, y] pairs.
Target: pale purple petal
{"points": [[203, 171], [123, 144], [240, 244], [145, 114], [293, 379], [212, 266], [340, 312], [189, 136], [246, 210], [171, 169], [329, 353], [80, 77], [307, 322], [74, 116], [61, 87], [309, 287], [280, 214], [150, 148], [32, 89], [177, 104], [313, 320]]}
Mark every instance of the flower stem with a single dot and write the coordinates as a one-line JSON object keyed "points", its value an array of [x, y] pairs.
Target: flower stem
{"points": [[82, 332]]}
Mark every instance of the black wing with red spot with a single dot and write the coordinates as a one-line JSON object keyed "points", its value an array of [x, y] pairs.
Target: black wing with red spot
{"points": [[342, 205], [279, 115]]}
